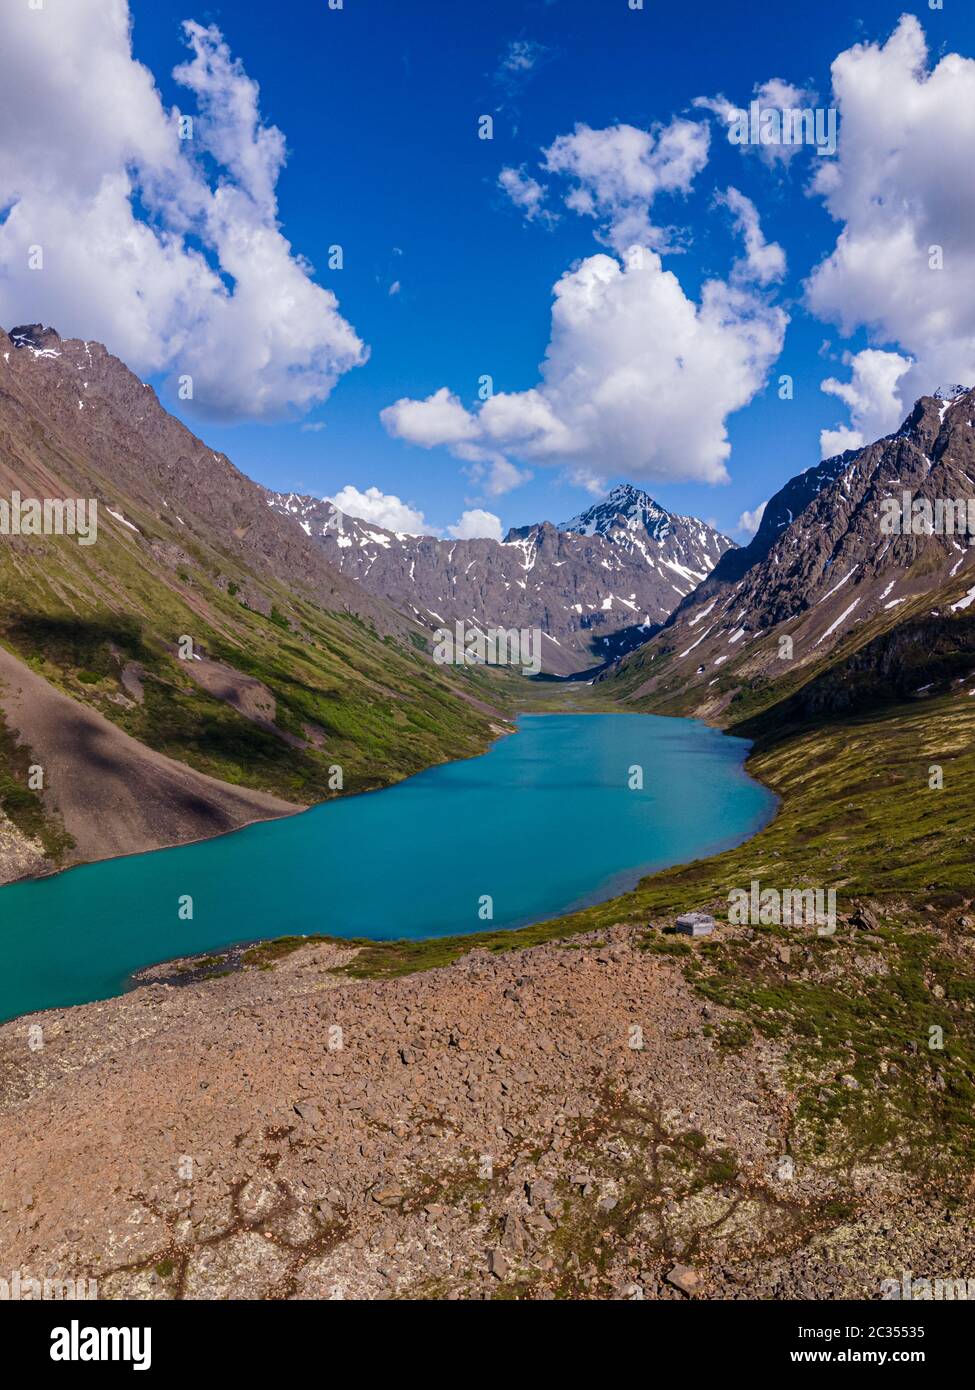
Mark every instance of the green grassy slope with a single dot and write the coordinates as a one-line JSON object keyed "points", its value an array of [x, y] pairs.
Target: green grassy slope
{"points": [[375, 705], [103, 624], [198, 555]]}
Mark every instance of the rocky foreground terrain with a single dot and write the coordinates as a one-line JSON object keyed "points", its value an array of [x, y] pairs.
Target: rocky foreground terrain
{"points": [[563, 1121]]}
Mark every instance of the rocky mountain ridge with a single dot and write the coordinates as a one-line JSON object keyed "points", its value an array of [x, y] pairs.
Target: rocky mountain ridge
{"points": [[825, 566], [596, 586]]}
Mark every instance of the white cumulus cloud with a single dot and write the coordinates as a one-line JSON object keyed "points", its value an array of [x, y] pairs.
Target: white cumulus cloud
{"points": [[524, 191], [838, 441], [749, 522], [873, 396], [492, 470], [904, 197], [584, 477], [619, 171], [476, 524], [638, 379], [440, 419], [382, 508], [774, 95], [167, 249], [764, 260], [393, 514]]}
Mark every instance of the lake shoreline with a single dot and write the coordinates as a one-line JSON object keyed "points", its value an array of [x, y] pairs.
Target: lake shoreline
{"points": [[298, 809], [595, 880]]}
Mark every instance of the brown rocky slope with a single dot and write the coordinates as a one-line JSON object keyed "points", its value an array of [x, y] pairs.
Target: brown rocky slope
{"points": [[143, 799], [822, 576]]}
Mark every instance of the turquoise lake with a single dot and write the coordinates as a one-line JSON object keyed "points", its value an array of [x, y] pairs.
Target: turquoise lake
{"points": [[543, 822]]}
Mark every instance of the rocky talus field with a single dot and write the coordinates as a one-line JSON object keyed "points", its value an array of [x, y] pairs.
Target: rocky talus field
{"points": [[575, 1119]]}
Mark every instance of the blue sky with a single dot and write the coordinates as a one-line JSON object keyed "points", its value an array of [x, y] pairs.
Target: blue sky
{"points": [[378, 104]]}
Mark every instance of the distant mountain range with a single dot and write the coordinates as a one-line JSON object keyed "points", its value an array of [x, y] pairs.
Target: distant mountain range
{"points": [[596, 585], [825, 574]]}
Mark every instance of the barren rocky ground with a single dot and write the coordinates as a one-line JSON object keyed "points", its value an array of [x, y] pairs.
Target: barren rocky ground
{"points": [[560, 1121]]}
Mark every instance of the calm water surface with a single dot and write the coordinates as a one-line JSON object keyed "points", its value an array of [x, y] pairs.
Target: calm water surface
{"points": [[543, 822]]}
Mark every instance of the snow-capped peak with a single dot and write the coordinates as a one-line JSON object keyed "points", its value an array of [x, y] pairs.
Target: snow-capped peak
{"points": [[625, 507]]}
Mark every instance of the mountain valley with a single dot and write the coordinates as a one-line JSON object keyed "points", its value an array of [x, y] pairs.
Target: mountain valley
{"points": [[783, 1118]]}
